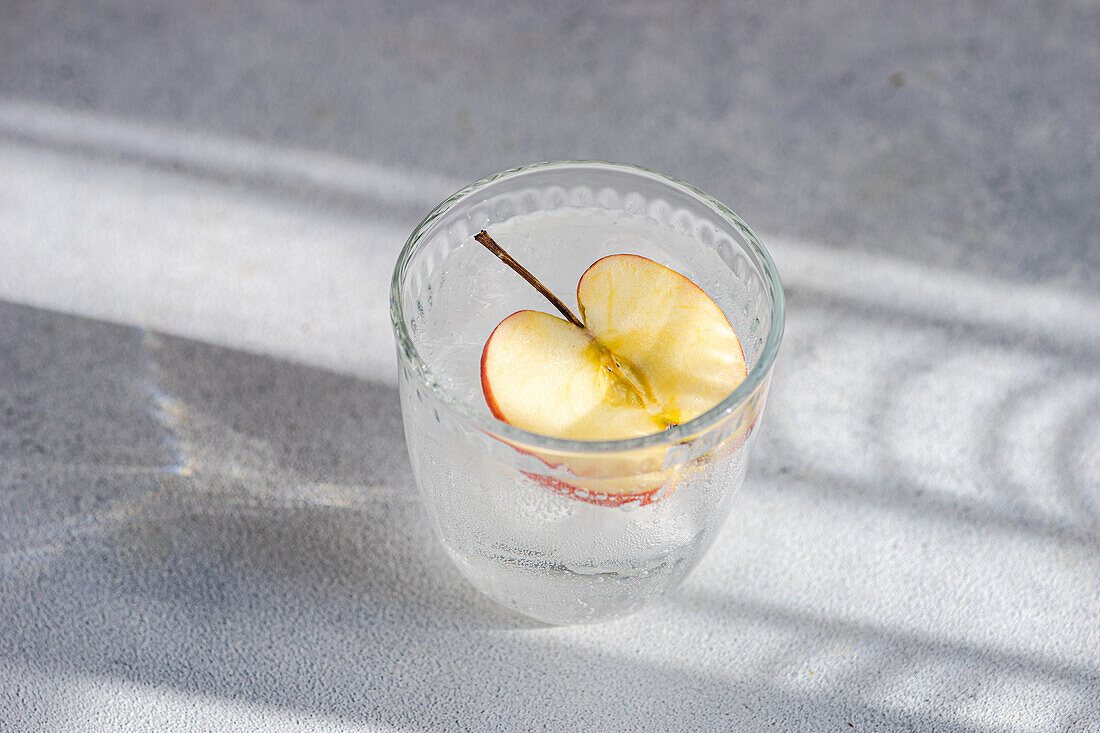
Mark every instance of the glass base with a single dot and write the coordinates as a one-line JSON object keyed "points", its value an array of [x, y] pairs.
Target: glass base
{"points": [[571, 593]]}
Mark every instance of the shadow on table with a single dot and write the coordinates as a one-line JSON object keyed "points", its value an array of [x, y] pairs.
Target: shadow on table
{"points": [[1004, 418], [229, 525]]}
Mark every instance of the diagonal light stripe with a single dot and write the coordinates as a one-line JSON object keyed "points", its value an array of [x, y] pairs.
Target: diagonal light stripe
{"points": [[105, 238], [237, 158], [1018, 310]]}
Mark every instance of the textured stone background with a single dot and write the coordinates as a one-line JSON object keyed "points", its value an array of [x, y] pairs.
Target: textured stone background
{"points": [[207, 516]]}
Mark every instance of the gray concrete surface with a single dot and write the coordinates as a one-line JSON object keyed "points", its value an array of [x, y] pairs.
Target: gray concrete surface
{"points": [[962, 134], [208, 521]]}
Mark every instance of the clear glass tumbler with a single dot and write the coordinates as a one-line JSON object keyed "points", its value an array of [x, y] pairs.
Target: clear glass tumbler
{"points": [[560, 530]]}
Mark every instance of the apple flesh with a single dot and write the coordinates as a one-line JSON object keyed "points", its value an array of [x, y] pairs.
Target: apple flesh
{"points": [[655, 351]]}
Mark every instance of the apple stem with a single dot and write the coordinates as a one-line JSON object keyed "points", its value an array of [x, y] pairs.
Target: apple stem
{"points": [[626, 378], [484, 238]]}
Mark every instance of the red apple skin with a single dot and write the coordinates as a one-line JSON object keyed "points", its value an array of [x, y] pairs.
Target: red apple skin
{"points": [[556, 485], [588, 494], [644, 498], [486, 388], [577, 493]]}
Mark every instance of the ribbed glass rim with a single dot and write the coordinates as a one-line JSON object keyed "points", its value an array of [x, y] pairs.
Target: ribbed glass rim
{"points": [[490, 424]]}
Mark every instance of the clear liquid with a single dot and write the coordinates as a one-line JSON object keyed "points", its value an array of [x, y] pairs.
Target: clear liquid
{"points": [[553, 557]]}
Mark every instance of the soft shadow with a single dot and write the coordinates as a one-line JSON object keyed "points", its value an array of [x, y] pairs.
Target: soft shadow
{"points": [[1054, 503], [881, 655], [188, 516], [1071, 451], [199, 451]]}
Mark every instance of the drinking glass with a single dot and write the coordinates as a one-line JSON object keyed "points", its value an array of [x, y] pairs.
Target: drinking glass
{"points": [[569, 531]]}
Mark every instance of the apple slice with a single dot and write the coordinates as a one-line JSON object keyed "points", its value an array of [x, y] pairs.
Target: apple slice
{"points": [[651, 350], [678, 341], [545, 375]]}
